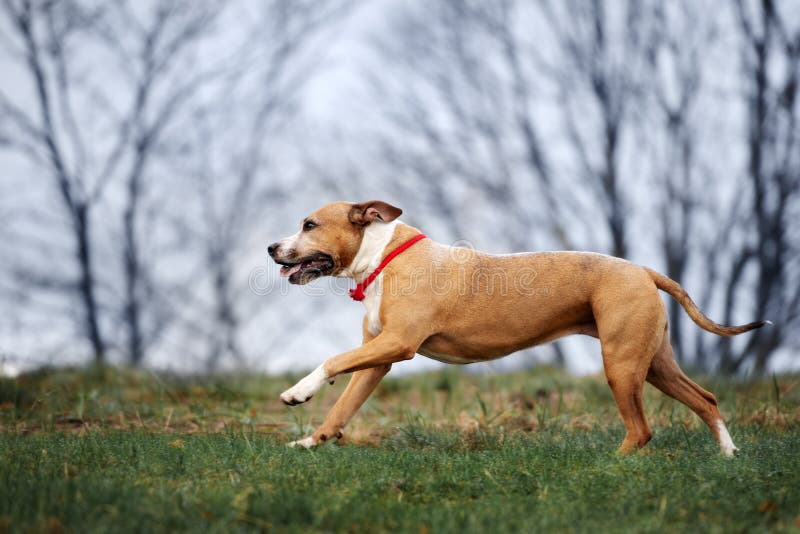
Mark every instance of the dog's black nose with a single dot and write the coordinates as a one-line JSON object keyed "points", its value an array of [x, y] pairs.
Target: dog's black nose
{"points": [[273, 248]]}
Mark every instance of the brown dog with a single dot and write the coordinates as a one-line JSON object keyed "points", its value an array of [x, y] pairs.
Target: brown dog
{"points": [[461, 306]]}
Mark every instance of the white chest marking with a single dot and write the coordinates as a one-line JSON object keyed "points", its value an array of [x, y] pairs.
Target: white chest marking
{"points": [[372, 302], [376, 237]]}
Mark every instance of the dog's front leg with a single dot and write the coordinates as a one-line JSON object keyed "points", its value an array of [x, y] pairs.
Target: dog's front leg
{"points": [[385, 349], [361, 385], [370, 363]]}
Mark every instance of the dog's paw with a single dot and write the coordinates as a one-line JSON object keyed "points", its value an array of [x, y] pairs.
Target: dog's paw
{"points": [[305, 389], [291, 397], [726, 445], [305, 443]]}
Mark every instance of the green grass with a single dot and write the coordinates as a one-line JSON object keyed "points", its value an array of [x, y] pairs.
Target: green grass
{"points": [[131, 451]]}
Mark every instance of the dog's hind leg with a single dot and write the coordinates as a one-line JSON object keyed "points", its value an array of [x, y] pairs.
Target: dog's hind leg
{"points": [[625, 375], [665, 374], [629, 339]]}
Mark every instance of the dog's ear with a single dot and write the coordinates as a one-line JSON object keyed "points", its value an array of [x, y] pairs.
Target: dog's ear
{"points": [[366, 212]]}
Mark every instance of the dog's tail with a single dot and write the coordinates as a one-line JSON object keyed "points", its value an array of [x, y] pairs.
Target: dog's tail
{"points": [[678, 293]]}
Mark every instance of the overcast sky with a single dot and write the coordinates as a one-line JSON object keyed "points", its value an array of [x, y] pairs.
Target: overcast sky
{"points": [[338, 100]]}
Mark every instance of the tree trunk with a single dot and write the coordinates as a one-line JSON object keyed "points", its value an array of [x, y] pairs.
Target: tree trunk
{"points": [[87, 284], [225, 341]]}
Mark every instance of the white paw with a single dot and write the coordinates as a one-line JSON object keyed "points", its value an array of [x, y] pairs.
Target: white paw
{"points": [[725, 442], [305, 389], [306, 443]]}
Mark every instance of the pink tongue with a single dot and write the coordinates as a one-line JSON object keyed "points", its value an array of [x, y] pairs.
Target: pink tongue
{"points": [[289, 271]]}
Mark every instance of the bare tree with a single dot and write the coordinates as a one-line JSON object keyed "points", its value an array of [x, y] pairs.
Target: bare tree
{"points": [[166, 43], [464, 126], [149, 140], [47, 133], [764, 277], [603, 57], [118, 88], [149, 50], [678, 41], [230, 145]]}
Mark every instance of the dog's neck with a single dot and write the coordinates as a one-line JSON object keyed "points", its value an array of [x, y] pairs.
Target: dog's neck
{"points": [[377, 235]]}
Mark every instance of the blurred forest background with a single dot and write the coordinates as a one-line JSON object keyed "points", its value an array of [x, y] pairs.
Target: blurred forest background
{"points": [[150, 150]]}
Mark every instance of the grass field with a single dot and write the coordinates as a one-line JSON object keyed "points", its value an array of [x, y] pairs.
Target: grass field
{"points": [[120, 450]]}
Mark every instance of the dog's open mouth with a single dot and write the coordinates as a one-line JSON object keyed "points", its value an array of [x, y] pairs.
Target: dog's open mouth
{"points": [[306, 269]]}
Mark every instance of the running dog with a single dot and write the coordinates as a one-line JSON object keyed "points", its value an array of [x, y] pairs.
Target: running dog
{"points": [[461, 306]]}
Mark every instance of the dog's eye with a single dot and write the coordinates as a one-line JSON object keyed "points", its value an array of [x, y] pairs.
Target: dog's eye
{"points": [[309, 225]]}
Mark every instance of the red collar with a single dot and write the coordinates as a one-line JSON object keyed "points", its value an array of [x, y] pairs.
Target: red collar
{"points": [[357, 294]]}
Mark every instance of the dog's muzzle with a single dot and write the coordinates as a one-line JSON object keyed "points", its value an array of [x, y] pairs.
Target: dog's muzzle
{"points": [[302, 270]]}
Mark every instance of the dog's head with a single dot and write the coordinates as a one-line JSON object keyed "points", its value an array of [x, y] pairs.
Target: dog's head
{"points": [[328, 240]]}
